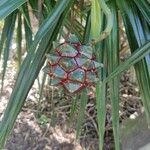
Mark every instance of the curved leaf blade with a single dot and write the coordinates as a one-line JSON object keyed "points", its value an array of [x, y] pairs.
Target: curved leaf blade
{"points": [[112, 48], [139, 54], [144, 7], [10, 26], [8, 7]]}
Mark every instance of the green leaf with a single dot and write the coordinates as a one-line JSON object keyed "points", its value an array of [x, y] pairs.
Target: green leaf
{"points": [[73, 109], [86, 35], [95, 19], [9, 29], [101, 111], [139, 54], [3, 36], [8, 7], [101, 89], [112, 48], [27, 25], [144, 7], [19, 39], [84, 99], [97, 22]]}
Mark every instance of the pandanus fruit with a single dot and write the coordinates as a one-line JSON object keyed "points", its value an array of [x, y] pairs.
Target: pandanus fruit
{"points": [[72, 66]]}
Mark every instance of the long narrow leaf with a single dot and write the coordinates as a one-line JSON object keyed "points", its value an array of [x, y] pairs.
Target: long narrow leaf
{"points": [[101, 111], [9, 6], [3, 36], [112, 48], [97, 22], [73, 109], [10, 23], [95, 19], [84, 99], [19, 39], [139, 54], [27, 26], [87, 28], [144, 7]]}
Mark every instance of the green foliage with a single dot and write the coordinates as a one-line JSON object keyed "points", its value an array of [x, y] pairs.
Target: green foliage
{"points": [[42, 120], [112, 48], [6, 38], [83, 100], [94, 21], [7, 7]]}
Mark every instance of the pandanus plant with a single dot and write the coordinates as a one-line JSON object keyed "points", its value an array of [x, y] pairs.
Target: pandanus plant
{"points": [[96, 24]]}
